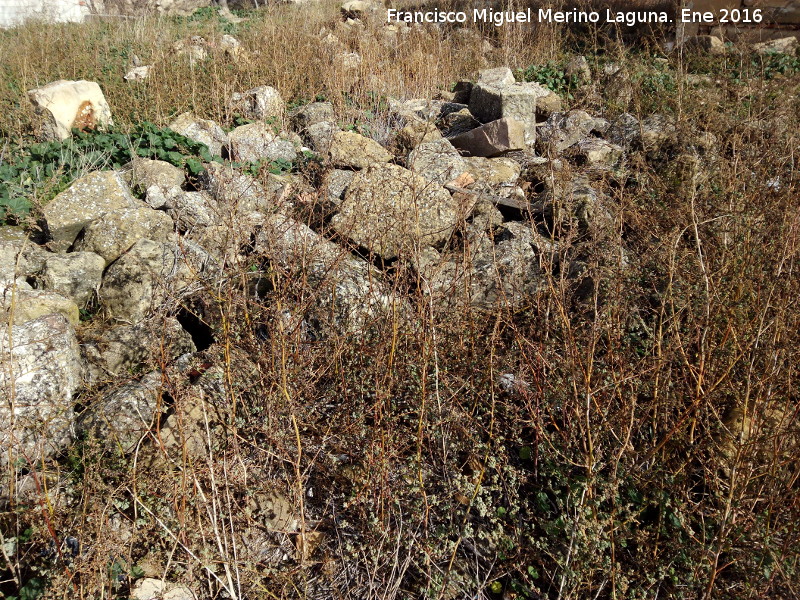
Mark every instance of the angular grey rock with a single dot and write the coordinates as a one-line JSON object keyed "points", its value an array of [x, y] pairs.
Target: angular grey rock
{"points": [[349, 294], [437, 161], [350, 149], [76, 275], [263, 102], [19, 256], [311, 114], [258, 141], [203, 131], [707, 43], [117, 230], [238, 194], [625, 130], [145, 173], [336, 184], [459, 122], [597, 153], [390, 210], [318, 136], [150, 276], [508, 269], [42, 366], [520, 101], [87, 199], [123, 415], [124, 349], [496, 76], [561, 131], [492, 139], [578, 68], [786, 45], [190, 210], [491, 174], [20, 303]]}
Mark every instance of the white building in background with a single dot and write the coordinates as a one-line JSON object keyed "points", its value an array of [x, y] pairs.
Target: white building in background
{"points": [[14, 12]]}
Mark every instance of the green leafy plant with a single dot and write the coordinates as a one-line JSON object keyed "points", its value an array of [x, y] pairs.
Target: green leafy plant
{"points": [[59, 163], [552, 75]]}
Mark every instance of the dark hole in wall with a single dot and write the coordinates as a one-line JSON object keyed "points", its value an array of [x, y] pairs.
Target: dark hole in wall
{"points": [[201, 332]]}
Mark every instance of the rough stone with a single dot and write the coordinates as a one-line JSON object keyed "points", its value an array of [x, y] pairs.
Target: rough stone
{"points": [[123, 415], [42, 365], [145, 173], [707, 43], [258, 141], [503, 270], [391, 210], [336, 184], [311, 114], [76, 275], [459, 122], [237, 194], [19, 256], [263, 102], [492, 139], [349, 294], [561, 131], [597, 153], [625, 130], [437, 161], [496, 76], [143, 280], [20, 303], [87, 199], [149, 588], [520, 101], [137, 74], [349, 149], [200, 130], [786, 45], [318, 136], [578, 68], [117, 230], [66, 105], [123, 349], [416, 132]]}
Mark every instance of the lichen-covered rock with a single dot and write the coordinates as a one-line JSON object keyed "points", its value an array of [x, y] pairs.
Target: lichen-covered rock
{"points": [[117, 230], [19, 256], [388, 210], [598, 154], [319, 136], [203, 131], [350, 149], [66, 105], [42, 370], [258, 141], [76, 275], [143, 280], [437, 161], [124, 349], [20, 303], [507, 269], [492, 139], [348, 293], [260, 103], [123, 415], [311, 114], [87, 199], [145, 173], [237, 193], [519, 101], [561, 131]]}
